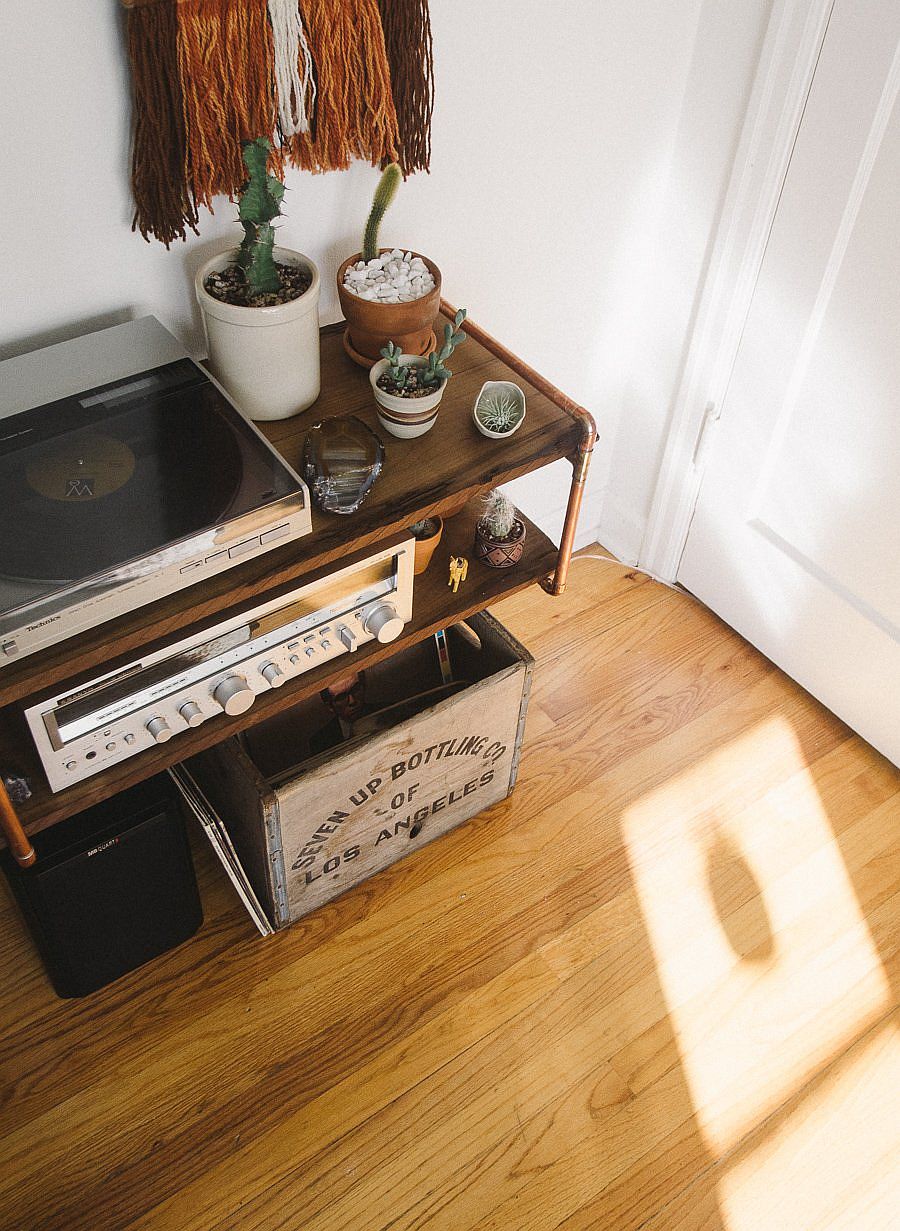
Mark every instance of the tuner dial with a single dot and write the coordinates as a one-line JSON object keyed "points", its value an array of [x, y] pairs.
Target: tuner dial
{"points": [[234, 695], [383, 622], [271, 673], [191, 713], [160, 730]]}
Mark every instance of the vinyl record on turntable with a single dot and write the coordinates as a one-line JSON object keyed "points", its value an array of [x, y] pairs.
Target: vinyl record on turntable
{"points": [[89, 499]]}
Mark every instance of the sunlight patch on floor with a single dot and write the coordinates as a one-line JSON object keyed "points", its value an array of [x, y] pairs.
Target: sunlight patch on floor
{"points": [[765, 959], [832, 1163]]}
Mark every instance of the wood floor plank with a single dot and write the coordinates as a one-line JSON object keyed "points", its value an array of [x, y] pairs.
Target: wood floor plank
{"points": [[535, 1022]]}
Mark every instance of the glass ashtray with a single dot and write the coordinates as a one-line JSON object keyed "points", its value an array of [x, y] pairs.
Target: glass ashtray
{"points": [[342, 458]]}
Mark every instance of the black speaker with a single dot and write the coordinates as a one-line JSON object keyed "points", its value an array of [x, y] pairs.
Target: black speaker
{"points": [[111, 888]]}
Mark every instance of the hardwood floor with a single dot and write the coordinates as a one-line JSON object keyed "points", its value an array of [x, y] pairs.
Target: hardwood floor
{"points": [[656, 988]]}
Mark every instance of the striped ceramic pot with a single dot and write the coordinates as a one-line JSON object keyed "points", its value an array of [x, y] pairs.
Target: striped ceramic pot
{"points": [[405, 417]]}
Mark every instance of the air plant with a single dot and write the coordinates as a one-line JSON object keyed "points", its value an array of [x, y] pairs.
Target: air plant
{"points": [[499, 411]]}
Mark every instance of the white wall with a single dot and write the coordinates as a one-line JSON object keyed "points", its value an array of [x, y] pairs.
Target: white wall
{"points": [[580, 152]]}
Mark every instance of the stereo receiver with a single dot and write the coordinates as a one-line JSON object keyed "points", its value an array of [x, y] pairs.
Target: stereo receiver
{"points": [[223, 667]]}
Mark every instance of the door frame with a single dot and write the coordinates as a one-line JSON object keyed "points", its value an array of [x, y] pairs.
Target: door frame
{"points": [[790, 53]]}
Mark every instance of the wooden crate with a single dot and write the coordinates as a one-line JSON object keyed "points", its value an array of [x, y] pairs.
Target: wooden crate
{"points": [[309, 827]]}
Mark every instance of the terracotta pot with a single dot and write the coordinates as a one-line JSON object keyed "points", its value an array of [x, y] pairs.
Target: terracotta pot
{"points": [[370, 325], [425, 547], [405, 418], [267, 358], [500, 553]]}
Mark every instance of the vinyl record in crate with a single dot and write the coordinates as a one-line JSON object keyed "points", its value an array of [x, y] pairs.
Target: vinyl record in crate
{"points": [[89, 499]]}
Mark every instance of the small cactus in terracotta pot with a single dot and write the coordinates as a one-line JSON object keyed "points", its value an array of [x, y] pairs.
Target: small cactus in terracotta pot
{"points": [[427, 534], [371, 322], [499, 533]]}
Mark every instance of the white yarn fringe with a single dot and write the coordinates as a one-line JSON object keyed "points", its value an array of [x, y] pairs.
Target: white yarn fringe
{"points": [[296, 93]]}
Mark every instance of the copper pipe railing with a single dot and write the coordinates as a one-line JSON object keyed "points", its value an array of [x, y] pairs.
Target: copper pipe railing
{"points": [[555, 582]]}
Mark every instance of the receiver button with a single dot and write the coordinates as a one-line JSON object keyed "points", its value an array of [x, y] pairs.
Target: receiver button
{"points": [[160, 730], [234, 695], [348, 636]]}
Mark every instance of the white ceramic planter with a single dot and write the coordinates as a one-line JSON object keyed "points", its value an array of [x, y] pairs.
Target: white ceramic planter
{"points": [[499, 386], [405, 418], [267, 358]]}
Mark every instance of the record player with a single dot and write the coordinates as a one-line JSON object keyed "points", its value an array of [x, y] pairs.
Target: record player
{"points": [[125, 474]]}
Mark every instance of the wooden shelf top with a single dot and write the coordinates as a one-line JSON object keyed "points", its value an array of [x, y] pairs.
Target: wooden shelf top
{"points": [[436, 474], [434, 606]]}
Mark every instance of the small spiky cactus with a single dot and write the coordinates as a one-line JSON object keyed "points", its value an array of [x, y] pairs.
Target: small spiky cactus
{"points": [[384, 195], [499, 515], [260, 204]]}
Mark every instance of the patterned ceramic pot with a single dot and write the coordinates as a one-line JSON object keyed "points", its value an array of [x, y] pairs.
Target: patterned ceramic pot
{"points": [[500, 553]]}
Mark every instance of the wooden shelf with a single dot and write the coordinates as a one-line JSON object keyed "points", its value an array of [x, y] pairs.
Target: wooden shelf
{"points": [[436, 474], [434, 606], [441, 473]]}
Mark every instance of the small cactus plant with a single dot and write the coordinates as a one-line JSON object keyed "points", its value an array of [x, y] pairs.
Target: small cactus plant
{"points": [[397, 373], [422, 377], [499, 515], [260, 204], [384, 195], [435, 373], [499, 532]]}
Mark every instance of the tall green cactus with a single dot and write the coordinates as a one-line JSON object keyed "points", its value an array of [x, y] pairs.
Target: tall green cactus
{"points": [[260, 203], [384, 195]]}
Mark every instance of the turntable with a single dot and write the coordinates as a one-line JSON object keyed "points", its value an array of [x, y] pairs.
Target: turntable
{"points": [[125, 475]]}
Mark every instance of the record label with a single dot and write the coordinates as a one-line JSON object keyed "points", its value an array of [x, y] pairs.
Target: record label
{"points": [[86, 469]]}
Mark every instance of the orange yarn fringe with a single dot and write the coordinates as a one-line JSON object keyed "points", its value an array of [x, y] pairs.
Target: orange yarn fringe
{"points": [[355, 115], [204, 80], [225, 61]]}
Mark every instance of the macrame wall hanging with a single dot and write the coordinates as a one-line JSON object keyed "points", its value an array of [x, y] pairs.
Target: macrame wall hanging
{"points": [[327, 80]]}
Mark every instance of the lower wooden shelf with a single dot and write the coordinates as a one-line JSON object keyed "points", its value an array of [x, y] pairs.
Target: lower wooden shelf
{"points": [[434, 606]]}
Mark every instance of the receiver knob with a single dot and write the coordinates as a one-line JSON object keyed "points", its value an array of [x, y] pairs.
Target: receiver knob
{"points": [[160, 730], [234, 694], [383, 622], [191, 713], [271, 673]]}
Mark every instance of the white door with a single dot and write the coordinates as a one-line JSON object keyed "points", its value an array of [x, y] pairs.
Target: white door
{"points": [[795, 540]]}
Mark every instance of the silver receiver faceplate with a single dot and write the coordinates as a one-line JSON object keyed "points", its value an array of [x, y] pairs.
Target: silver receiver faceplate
{"points": [[221, 669]]}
